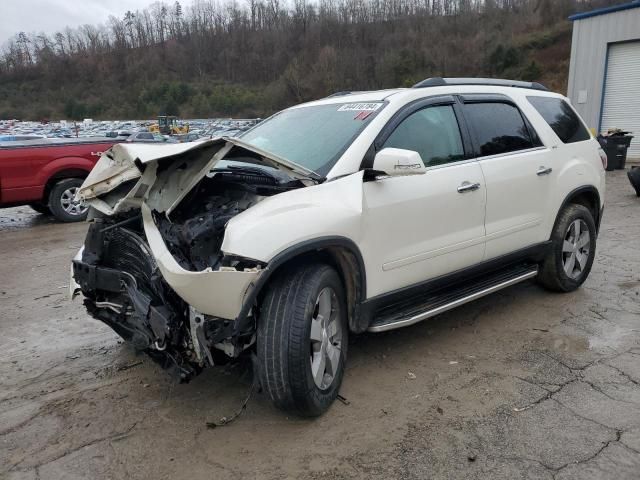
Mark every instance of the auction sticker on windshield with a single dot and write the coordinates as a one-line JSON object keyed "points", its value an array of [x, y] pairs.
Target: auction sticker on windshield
{"points": [[360, 107]]}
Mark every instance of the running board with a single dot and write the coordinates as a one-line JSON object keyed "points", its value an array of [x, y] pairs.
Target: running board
{"points": [[414, 310]]}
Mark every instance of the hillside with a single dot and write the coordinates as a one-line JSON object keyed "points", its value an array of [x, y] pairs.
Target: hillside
{"points": [[231, 60]]}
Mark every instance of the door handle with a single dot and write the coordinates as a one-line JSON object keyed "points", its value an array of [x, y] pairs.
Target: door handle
{"points": [[468, 187], [544, 171]]}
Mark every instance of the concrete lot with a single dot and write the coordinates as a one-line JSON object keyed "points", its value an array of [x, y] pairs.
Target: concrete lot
{"points": [[522, 384]]}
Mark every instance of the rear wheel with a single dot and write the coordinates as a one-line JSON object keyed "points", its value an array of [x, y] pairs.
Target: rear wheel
{"points": [[302, 339], [62, 201], [40, 208], [573, 249]]}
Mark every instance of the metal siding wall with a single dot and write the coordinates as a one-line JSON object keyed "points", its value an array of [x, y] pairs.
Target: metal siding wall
{"points": [[588, 57], [572, 63]]}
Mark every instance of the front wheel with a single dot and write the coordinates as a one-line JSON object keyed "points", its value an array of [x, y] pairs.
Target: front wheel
{"points": [[302, 339], [62, 201], [573, 249]]}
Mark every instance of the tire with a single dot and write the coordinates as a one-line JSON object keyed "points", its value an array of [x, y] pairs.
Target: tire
{"points": [[61, 201], [290, 313], [40, 208], [634, 179], [557, 272]]}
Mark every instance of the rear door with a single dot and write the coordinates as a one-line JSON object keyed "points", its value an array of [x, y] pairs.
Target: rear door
{"points": [[423, 226], [518, 171]]}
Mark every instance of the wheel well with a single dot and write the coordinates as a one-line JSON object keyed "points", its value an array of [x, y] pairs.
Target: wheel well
{"points": [[588, 198], [64, 174], [349, 267]]}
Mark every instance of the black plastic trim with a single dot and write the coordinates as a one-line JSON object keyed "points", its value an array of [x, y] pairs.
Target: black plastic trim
{"points": [[500, 82], [290, 253], [534, 254], [92, 278], [486, 98], [578, 191], [465, 131]]}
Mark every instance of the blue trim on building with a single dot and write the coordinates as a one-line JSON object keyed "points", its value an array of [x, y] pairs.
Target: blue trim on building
{"points": [[604, 11]]}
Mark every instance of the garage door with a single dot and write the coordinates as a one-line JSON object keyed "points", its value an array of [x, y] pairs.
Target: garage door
{"points": [[621, 107]]}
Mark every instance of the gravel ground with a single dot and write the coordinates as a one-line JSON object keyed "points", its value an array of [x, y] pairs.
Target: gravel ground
{"points": [[522, 384]]}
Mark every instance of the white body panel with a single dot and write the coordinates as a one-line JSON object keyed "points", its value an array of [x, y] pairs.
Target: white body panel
{"points": [[279, 222], [517, 200], [420, 227]]}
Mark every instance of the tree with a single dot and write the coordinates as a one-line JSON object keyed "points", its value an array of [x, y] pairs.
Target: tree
{"points": [[254, 56]]}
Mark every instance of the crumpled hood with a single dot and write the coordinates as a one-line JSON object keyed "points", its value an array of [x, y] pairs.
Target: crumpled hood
{"points": [[108, 189], [118, 165]]}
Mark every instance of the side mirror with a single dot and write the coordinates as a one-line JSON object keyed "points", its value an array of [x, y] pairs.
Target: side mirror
{"points": [[398, 162]]}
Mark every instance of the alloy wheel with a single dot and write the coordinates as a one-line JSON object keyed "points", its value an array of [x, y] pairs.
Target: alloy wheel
{"points": [[576, 248], [69, 203], [325, 339]]}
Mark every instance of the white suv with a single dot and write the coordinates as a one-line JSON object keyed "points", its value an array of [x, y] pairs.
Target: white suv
{"points": [[363, 211]]}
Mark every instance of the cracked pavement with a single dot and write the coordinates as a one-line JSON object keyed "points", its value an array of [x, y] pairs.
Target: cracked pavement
{"points": [[524, 384]]}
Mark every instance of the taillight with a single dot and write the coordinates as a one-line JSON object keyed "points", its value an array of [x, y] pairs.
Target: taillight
{"points": [[603, 158]]}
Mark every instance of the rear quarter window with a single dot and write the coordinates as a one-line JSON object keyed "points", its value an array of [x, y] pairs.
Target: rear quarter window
{"points": [[561, 118]]}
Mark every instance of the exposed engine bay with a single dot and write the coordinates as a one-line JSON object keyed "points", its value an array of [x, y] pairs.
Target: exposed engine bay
{"points": [[123, 285], [195, 230]]}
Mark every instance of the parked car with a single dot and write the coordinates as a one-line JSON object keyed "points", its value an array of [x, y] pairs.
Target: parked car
{"points": [[187, 137], [46, 174], [146, 137], [118, 134], [358, 212]]}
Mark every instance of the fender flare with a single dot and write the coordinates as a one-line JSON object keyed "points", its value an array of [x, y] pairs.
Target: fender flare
{"points": [[578, 191], [292, 252]]}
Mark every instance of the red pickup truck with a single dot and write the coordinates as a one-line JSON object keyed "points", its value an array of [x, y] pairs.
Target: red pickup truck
{"points": [[46, 173]]}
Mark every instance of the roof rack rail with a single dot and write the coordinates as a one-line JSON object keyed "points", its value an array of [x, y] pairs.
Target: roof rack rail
{"points": [[498, 82], [340, 94]]}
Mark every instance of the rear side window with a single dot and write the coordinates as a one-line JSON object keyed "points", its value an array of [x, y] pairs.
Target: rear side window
{"points": [[499, 128], [561, 118], [433, 132]]}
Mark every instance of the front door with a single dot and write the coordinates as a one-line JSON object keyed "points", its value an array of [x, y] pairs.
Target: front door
{"points": [[420, 227]]}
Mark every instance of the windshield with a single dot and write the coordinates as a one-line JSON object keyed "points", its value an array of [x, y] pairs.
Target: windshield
{"points": [[313, 137]]}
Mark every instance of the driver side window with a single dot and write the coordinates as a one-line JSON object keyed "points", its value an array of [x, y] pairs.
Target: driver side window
{"points": [[433, 132]]}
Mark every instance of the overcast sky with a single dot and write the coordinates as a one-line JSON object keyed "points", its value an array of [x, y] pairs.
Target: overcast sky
{"points": [[50, 16]]}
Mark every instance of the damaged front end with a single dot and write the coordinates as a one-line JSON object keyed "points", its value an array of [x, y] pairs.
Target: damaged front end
{"points": [[152, 267], [123, 288]]}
